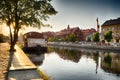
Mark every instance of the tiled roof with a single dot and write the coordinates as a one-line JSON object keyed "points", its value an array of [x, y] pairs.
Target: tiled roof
{"points": [[111, 22]]}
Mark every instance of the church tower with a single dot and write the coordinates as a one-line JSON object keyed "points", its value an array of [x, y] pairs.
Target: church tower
{"points": [[68, 27], [97, 25]]}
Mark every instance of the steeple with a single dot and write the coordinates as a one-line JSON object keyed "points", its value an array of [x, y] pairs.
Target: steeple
{"points": [[97, 25], [68, 27]]}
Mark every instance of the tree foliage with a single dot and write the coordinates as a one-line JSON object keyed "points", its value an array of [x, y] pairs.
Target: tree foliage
{"points": [[51, 39], [96, 37], [88, 39], [19, 13], [72, 37], [108, 36]]}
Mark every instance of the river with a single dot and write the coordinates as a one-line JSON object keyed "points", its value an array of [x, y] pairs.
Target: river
{"points": [[62, 63]]}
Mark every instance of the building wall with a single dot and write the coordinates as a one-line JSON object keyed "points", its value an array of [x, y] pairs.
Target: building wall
{"points": [[115, 29], [32, 42]]}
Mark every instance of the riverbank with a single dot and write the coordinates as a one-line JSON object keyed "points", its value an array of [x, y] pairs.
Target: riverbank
{"points": [[4, 57], [86, 46]]}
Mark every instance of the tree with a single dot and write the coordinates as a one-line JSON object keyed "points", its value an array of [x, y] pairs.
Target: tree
{"points": [[108, 36], [72, 37], [19, 13], [96, 37], [67, 38], [88, 39]]}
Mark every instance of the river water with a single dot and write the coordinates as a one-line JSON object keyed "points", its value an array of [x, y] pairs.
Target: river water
{"points": [[62, 63]]}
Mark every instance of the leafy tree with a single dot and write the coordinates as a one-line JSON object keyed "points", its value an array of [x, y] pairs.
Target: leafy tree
{"points": [[19, 13], [108, 36], [96, 37], [67, 38], [52, 39], [88, 39], [72, 37]]}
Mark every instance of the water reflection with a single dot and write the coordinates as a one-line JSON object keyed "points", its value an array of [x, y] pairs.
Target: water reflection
{"points": [[37, 59], [68, 54], [63, 63], [110, 62]]}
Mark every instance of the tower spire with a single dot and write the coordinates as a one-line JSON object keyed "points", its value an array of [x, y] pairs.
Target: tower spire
{"points": [[68, 27], [97, 25]]}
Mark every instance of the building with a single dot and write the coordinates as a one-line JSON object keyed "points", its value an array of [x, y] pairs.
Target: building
{"points": [[88, 32], [48, 34], [32, 39], [79, 33], [66, 32], [114, 26]]}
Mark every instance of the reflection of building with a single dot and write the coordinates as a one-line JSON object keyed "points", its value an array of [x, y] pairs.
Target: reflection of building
{"points": [[110, 62], [114, 26], [33, 39], [67, 54], [37, 59]]}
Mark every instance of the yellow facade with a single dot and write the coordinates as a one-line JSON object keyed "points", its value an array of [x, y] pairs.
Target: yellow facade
{"points": [[115, 28]]}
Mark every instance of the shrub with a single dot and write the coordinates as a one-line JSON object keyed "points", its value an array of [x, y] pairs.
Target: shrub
{"points": [[3, 38]]}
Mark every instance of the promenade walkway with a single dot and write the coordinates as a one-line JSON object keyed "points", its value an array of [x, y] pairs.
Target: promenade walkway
{"points": [[21, 61], [22, 68]]}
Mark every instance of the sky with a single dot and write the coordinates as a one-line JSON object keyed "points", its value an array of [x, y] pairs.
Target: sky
{"points": [[82, 13]]}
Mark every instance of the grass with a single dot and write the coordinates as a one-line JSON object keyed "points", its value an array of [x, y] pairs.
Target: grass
{"points": [[43, 75]]}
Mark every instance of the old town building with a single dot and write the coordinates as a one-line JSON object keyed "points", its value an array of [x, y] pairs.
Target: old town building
{"points": [[32, 39], [114, 26], [69, 31], [48, 34], [79, 33]]}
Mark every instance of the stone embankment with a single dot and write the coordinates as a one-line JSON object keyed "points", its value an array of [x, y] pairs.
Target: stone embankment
{"points": [[4, 57], [86, 46]]}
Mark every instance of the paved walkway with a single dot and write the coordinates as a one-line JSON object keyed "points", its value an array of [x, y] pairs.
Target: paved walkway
{"points": [[22, 68], [21, 61]]}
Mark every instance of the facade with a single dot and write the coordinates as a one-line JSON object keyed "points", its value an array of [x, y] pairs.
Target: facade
{"points": [[32, 39], [114, 26], [69, 31], [88, 33], [48, 34], [79, 33]]}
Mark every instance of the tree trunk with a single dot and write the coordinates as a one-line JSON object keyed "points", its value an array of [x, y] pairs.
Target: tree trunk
{"points": [[16, 29]]}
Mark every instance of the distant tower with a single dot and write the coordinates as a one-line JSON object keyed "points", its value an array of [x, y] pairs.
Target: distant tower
{"points": [[97, 25], [68, 27]]}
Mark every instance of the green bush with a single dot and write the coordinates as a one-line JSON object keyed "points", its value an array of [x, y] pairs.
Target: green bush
{"points": [[3, 38]]}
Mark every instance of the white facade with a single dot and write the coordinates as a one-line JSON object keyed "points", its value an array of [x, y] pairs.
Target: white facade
{"points": [[32, 42]]}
